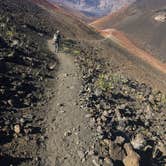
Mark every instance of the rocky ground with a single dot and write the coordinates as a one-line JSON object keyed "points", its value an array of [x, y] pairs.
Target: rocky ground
{"points": [[128, 116], [26, 67]]}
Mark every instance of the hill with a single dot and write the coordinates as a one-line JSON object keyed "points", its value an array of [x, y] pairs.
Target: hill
{"points": [[27, 71], [68, 22], [95, 8], [143, 22], [66, 10]]}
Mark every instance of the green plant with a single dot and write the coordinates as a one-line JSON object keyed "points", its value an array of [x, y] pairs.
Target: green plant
{"points": [[76, 52], [108, 81], [10, 34], [163, 99]]}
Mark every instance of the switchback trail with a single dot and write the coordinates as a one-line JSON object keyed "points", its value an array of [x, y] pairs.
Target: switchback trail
{"points": [[68, 132], [120, 39]]}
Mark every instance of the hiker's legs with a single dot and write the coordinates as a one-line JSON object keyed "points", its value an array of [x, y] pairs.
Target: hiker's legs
{"points": [[56, 47]]}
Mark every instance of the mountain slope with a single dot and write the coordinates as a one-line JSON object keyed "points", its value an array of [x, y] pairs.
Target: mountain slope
{"points": [[95, 8], [66, 10], [65, 21], [144, 23], [27, 72]]}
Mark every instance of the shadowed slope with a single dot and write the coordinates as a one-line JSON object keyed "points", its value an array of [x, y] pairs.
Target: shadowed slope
{"points": [[63, 20]]}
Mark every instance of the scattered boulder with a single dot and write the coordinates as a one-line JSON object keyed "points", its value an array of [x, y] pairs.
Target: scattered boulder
{"points": [[138, 141], [52, 66], [119, 140], [108, 161], [95, 161], [120, 109], [132, 158], [116, 151], [81, 154], [17, 129]]}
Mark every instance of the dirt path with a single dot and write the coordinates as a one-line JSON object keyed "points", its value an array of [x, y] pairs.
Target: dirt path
{"points": [[69, 135]]}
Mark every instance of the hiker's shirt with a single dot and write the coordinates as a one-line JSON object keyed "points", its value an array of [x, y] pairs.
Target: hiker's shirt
{"points": [[55, 38]]}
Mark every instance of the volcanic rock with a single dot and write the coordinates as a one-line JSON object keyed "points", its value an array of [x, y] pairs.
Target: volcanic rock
{"points": [[132, 158], [17, 129]]}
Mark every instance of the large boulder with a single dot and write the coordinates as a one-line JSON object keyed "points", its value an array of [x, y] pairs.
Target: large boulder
{"points": [[132, 158]]}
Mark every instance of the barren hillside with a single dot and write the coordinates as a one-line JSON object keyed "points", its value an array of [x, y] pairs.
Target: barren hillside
{"points": [[140, 24]]}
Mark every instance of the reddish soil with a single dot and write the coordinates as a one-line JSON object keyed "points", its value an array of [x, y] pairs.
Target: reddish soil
{"points": [[121, 39], [102, 22]]}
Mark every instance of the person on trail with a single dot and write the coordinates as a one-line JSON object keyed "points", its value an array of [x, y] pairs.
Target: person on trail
{"points": [[57, 40]]}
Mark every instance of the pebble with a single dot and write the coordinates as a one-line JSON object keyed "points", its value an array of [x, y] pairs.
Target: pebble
{"points": [[92, 122], [17, 129], [61, 104], [95, 162], [138, 142], [108, 162], [162, 148], [88, 116], [91, 152], [51, 66], [99, 129], [103, 118], [67, 133], [22, 120], [66, 75], [98, 92], [62, 111], [72, 87], [81, 154], [119, 140], [105, 113]]}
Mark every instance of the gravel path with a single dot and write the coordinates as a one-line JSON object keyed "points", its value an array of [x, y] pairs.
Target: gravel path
{"points": [[69, 136]]}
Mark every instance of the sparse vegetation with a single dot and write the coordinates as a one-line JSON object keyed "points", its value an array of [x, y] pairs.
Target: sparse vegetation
{"points": [[110, 81], [163, 99], [76, 52]]}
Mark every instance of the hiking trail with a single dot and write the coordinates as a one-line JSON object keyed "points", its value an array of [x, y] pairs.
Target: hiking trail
{"points": [[69, 135]]}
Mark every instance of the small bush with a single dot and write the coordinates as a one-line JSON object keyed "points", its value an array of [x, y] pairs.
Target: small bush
{"points": [[10, 34], [108, 81]]}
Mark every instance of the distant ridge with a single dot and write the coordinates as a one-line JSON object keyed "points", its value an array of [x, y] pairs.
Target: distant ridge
{"points": [[102, 22], [63, 9], [143, 23], [94, 8]]}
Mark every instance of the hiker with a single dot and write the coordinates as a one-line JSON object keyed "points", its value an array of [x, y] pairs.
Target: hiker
{"points": [[57, 40]]}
